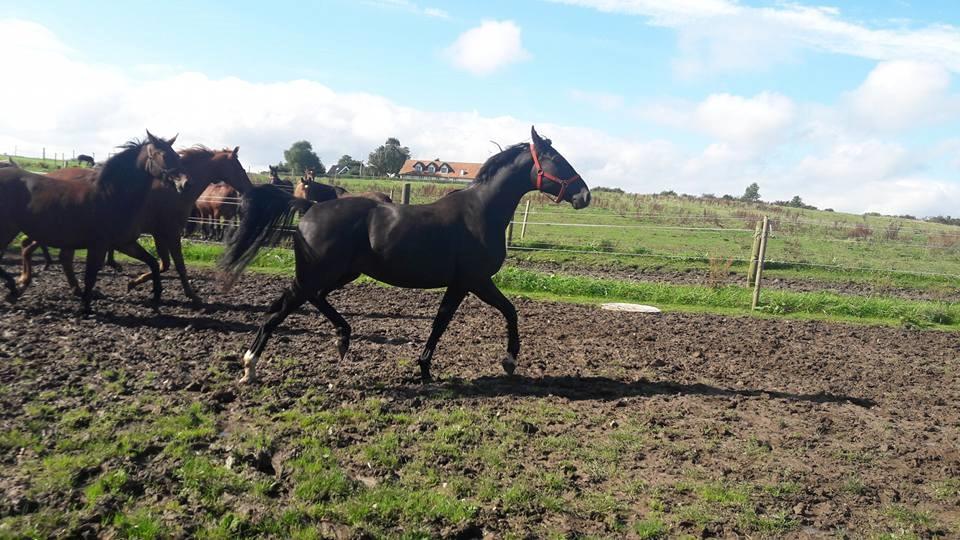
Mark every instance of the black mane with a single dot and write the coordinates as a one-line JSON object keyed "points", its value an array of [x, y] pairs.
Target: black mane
{"points": [[116, 169], [496, 161]]}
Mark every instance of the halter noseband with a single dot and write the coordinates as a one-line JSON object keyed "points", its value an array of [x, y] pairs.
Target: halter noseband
{"points": [[541, 174]]}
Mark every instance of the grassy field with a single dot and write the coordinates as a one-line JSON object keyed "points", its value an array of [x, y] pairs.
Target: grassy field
{"points": [[721, 299]]}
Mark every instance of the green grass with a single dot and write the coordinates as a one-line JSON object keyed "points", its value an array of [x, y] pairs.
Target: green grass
{"points": [[727, 299]]}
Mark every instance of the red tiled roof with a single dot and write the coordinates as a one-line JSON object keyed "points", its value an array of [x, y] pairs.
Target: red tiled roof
{"points": [[459, 170]]}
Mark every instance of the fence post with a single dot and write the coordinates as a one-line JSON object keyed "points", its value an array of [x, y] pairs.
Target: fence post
{"points": [[754, 253], [392, 198], [509, 233], [44, 154], [523, 226], [765, 233], [406, 193]]}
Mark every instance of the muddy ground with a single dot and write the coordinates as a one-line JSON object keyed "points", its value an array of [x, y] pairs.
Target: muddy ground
{"points": [[130, 423]]}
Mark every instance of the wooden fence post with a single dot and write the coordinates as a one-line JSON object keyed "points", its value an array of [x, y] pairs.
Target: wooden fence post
{"points": [[754, 253], [391, 194], [523, 226], [406, 193], [765, 233], [509, 233]]}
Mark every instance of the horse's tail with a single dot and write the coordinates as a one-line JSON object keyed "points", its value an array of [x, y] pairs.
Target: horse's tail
{"points": [[266, 210]]}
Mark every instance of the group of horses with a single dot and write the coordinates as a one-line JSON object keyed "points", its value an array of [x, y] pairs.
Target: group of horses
{"points": [[456, 242]]}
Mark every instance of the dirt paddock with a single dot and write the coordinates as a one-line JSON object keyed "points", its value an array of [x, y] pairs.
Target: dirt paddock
{"points": [[617, 424]]}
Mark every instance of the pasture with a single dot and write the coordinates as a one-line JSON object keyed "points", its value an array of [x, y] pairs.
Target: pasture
{"points": [[131, 424]]}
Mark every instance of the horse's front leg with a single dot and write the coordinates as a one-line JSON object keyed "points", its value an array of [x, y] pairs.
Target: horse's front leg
{"points": [[489, 293], [448, 306], [27, 247]]}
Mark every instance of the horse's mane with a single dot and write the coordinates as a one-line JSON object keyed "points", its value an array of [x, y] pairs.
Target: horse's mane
{"points": [[113, 171], [496, 161], [197, 150]]}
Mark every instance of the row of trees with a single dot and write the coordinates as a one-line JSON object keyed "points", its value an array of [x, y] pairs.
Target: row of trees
{"points": [[386, 160]]}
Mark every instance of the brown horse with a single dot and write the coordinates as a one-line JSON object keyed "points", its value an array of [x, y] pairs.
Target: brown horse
{"points": [[218, 202], [97, 216], [167, 209]]}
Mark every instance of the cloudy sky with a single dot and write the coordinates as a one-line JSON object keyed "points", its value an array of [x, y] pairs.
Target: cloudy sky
{"points": [[851, 104]]}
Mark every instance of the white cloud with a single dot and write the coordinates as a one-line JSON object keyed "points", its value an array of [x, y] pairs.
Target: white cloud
{"points": [[436, 12], [902, 94], [755, 122], [111, 106], [488, 47], [720, 34]]}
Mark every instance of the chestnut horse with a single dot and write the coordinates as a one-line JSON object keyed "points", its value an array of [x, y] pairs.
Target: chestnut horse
{"points": [[457, 242], [167, 209], [218, 202], [73, 215]]}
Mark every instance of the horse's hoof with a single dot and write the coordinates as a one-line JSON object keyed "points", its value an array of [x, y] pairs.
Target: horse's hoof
{"points": [[131, 286], [12, 297], [426, 378], [196, 304], [247, 380], [509, 364], [342, 348]]}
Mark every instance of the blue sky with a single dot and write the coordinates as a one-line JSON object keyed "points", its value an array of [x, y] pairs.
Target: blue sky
{"points": [[830, 100]]}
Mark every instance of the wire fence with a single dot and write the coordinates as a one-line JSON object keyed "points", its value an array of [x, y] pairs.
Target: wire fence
{"points": [[569, 234]]}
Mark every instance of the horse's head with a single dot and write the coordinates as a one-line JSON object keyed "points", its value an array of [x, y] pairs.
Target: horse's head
{"points": [[552, 174], [229, 169], [160, 159], [274, 175], [310, 174]]}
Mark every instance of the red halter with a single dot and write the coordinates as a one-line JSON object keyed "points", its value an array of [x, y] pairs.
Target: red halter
{"points": [[541, 174]]}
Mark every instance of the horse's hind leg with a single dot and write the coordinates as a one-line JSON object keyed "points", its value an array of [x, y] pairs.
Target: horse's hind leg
{"points": [[343, 327], [112, 263], [489, 293], [292, 298], [66, 261], [95, 256], [448, 306], [5, 240], [47, 259], [136, 251]]}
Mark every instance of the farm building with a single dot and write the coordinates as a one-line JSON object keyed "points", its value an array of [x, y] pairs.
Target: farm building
{"points": [[436, 168]]}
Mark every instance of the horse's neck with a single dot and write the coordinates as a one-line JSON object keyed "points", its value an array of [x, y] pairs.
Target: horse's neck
{"points": [[501, 195], [199, 177]]}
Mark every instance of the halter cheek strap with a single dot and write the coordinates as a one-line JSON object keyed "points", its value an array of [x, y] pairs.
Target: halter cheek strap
{"points": [[541, 174]]}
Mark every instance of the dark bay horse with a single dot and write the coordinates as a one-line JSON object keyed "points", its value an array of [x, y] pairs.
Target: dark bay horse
{"points": [[457, 242], [83, 158], [218, 204], [277, 181], [166, 209], [97, 216]]}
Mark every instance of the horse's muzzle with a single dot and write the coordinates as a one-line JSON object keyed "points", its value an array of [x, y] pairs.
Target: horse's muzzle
{"points": [[581, 199]]}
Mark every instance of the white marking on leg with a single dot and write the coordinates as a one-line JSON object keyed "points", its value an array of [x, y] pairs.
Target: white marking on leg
{"points": [[249, 368]]}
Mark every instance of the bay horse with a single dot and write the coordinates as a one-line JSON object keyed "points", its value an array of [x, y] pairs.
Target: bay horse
{"points": [[83, 158], [167, 208], [308, 188], [277, 181], [74, 215], [457, 242]]}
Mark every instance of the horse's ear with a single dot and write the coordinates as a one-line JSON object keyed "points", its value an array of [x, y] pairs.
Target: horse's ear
{"points": [[171, 141], [538, 142], [151, 137], [236, 150]]}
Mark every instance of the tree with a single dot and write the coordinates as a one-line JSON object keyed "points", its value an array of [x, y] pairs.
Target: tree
{"points": [[796, 202], [300, 157], [388, 158], [752, 193], [347, 165]]}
